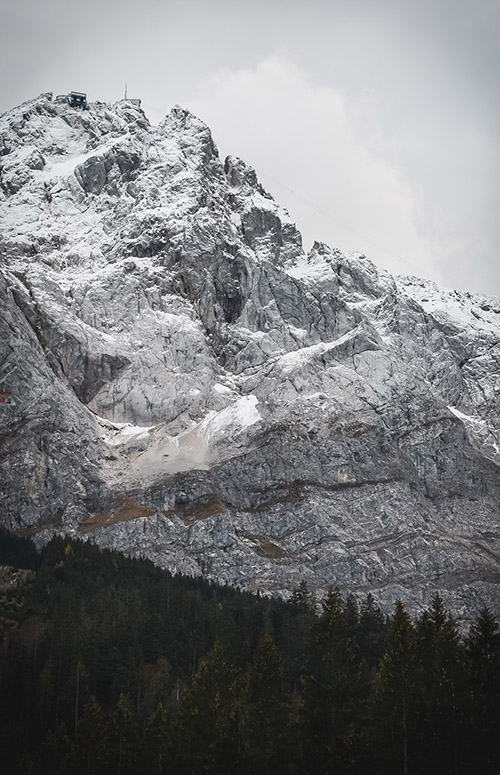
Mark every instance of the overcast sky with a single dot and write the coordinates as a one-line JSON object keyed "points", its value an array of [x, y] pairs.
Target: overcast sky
{"points": [[375, 122]]}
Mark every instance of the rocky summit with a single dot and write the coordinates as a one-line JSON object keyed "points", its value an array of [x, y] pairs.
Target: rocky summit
{"points": [[181, 381]]}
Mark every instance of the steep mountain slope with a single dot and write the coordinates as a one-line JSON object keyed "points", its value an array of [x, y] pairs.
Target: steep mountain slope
{"points": [[189, 385]]}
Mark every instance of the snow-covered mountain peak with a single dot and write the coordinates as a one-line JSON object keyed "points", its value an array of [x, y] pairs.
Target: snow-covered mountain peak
{"points": [[166, 340]]}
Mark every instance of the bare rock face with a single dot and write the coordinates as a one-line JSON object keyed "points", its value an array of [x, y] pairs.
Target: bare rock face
{"points": [[179, 380]]}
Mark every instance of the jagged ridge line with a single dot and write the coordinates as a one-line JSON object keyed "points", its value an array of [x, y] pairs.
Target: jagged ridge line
{"points": [[342, 223], [345, 225]]}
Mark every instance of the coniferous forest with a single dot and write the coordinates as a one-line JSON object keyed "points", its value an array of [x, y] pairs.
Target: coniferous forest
{"points": [[111, 665]]}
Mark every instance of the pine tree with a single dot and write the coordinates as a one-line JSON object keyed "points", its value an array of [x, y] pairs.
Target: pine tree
{"points": [[483, 708], [124, 737], [207, 735], [371, 633], [92, 740], [396, 690], [265, 711], [156, 742], [302, 607], [333, 691], [439, 677]]}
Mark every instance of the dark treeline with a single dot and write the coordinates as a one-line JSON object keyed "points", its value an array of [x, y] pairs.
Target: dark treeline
{"points": [[111, 665]]}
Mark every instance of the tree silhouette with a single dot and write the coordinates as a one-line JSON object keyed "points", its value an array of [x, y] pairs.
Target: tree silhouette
{"points": [[265, 711]]}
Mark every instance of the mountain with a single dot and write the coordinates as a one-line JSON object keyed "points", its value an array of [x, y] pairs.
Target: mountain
{"points": [[181, 381]]}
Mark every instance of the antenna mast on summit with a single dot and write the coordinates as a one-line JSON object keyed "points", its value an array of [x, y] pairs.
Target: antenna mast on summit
{"points": [[125, 91]]}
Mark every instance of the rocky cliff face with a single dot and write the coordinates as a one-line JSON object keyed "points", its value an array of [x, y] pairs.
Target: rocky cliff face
{"points": [[185, 383]]}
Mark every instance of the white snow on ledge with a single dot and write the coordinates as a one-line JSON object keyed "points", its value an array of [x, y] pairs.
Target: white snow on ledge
{"points": [[464, 417], [307, 268], [232, 419], [63, 166], [481, 435], [116, 433]]}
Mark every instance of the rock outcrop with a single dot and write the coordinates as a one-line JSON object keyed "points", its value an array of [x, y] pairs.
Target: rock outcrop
{"points": [[181, 381]]}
